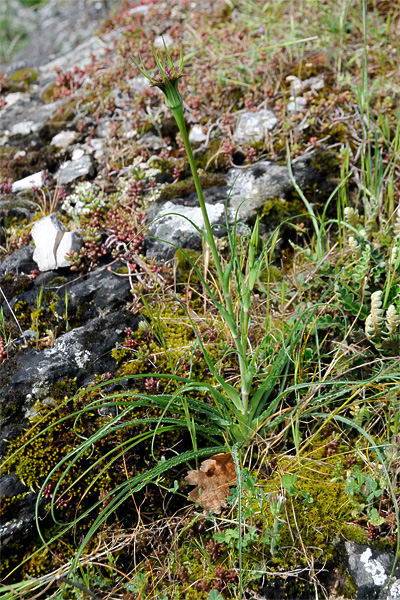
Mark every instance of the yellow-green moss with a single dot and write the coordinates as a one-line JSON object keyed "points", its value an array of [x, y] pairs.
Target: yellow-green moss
{"points": [[26, 76]]}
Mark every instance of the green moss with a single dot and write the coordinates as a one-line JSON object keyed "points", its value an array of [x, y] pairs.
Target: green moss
{"points": [[271, 274], [182, 189], [63, 389], [27, 76], [58, 281], [185, 268]]}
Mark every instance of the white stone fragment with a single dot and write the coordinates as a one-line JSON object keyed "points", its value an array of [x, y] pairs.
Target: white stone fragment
{"points": [[296, 104], [253, 126], [160, 39], [140, 10], [77, 154], [64, 139], [26, 184], [53, 242], [23, 128], [196, 135]]}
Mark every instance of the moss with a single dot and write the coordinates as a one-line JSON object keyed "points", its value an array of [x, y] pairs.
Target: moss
{"points": [[49, 296], [271, 274], [58, 281], [64, 389], [185, 268], [27, 76], [14, 284], [182, 189]]}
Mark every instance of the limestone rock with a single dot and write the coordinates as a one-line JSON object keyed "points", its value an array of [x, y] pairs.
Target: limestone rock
{"points": [[64, 139], [27, 183], [74, 169], [371, 570], [160, 40], [196, 135], [253, 126], [177, 228], [20, 261], [296, 104], [52, 243]]}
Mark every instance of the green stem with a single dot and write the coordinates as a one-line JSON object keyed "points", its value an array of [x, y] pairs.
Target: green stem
{"points": [[179, 118], [177, 112]]}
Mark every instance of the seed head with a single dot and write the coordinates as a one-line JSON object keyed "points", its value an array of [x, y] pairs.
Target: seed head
{"points": [[167, 80]]}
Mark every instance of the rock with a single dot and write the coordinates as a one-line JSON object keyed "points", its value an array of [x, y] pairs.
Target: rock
{"points": [[253, 126], [79, 56], [253, 187], [74, 169], [14, 122], [298, 86], [101, 291], [77, 154], [196, 135], [296, 104], [140, 82], [27, 183], [57, 28], [82, 353], [52, 243], [160, 40], [20, 261], [264, 182], [176, 228], [392, 591], [23, 128], [64, 139], [370, 570]]}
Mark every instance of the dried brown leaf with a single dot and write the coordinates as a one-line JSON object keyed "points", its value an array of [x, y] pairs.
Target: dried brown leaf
{"points": [[215, 476]]}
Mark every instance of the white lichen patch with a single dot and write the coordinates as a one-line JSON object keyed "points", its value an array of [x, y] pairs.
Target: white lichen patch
{"points": [[82, 357], [373, 567]]}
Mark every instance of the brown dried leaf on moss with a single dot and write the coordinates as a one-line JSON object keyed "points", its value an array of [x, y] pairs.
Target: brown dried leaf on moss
{"points": [[215, 476]]}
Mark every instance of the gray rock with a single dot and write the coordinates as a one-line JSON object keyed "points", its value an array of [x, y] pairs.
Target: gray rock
{"points": [[57, 28], [102, 291], [20, 261], [254, 126], [392, 591], [74, 169], [255, 186], [64, 139], [82, 353], [23, 128], [80, 56], [140, 10], [140, 82], [27, 183], [53, 242], [176, 229], [14, 121], [261, 183], [370, 570], [11, 485]]}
